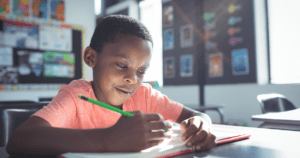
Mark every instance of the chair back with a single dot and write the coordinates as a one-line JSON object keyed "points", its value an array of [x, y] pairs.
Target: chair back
{"points": [[13, 105], [14, 118], [274, 103], [287, 105]]}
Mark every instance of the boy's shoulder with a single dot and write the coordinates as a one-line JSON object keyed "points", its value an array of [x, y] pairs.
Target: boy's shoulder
{"points": [[81, 85], [144, 89], [145, 86]]}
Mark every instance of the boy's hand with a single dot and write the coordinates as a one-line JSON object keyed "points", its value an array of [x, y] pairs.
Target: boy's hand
{"points": [[135, 133], [197, 133]]}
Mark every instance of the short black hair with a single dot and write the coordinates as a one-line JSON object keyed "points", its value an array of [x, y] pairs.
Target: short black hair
{"points": [[112, 27]]}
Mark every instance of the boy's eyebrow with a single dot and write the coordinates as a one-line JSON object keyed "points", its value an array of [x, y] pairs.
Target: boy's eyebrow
{"points": [[147, 65], [124, 57]]}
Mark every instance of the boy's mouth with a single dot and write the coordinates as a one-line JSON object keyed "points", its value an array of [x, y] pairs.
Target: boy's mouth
{"points": [[124, 90]]}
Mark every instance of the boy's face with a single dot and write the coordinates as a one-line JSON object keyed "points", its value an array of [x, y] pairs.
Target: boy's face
{"points": [[119, 69]]}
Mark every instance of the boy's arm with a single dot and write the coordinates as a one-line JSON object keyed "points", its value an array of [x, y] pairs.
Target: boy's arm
{"points": [[37, 137]]}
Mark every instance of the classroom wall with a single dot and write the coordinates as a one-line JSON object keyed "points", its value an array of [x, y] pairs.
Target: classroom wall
{"points": [[77, 12]]}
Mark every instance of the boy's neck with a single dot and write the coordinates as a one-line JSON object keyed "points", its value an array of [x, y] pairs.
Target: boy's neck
{"points": [[119, 107]]}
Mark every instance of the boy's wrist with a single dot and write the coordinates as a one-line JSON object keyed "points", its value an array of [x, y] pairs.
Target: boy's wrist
{"points": [[100, 137]]}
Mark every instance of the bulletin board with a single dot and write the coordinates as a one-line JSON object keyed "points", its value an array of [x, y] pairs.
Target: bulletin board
{"points": [[208, 42], [182, 43], [38, 51], [230, 42]]}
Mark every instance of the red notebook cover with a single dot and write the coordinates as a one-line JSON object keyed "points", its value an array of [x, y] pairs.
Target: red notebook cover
{"points": [[220, 141]]}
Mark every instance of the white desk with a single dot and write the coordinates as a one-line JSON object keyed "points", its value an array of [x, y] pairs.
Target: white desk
{"points": [[263, 143], [287, 120]]}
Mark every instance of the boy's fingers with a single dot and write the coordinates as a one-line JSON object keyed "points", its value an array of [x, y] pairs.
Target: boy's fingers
{"points": [[197, 122], [136, 112], [184, 125], [158, 135], [207, 144], [160, 125], [199, 137], [190, 131], [153, 117]]}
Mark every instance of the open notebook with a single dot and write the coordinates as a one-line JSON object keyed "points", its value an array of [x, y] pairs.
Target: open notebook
{"points": [[170, 147]]}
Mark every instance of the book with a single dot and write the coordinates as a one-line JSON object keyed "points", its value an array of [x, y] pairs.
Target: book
{"points": [[170, 147]]}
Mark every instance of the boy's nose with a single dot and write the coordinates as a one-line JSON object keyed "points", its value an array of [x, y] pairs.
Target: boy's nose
{"points": [[131, 78]]}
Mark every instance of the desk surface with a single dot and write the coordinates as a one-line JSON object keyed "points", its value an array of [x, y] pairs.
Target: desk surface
{"points": [[263, 143], [286, 117]]}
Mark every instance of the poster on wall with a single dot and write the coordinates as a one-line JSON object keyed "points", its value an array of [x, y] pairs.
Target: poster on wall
{"points": [[21, 35], [216, 65], [57, 10], [186, 36], [210, 19], [40, 10], [8, 75], [4, 7], [235, 40], [55, 38], [2, 38], [30, 63], [240, 62], [168, 16], [20, 8], [186, 65], [168, 39], [36, 63], [23, 59], [169, 67], [59, 64], [6, 56], [229, 29]]}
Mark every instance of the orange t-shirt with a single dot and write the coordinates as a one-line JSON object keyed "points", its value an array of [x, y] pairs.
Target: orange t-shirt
{"points": [[68, 111]]}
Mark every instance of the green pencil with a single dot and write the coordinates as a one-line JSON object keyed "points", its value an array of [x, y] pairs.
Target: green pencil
{"points": [[109, 107]]}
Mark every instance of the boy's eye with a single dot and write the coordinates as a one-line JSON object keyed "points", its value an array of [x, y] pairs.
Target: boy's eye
{"points": [[141, 72], [122, 66]]}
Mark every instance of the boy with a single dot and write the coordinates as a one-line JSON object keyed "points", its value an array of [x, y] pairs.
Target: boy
{"points": [[119, 53]]}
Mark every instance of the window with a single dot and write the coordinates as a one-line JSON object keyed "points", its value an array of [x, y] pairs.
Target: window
{"points": [[284, 34], [151, 17], [97, 4]]}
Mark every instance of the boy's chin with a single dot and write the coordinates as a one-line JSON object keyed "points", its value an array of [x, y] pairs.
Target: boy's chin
{"points": [[118, 105]]}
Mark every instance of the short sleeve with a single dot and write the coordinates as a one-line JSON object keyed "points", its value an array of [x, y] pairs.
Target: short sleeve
{"points": [[61, 112], [160, 103]]}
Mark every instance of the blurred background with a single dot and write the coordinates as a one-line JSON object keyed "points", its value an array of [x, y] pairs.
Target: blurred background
{"points": [[206, 52]]}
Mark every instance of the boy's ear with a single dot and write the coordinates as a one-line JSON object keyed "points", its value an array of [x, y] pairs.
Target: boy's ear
{"points": [[90, 57]]}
